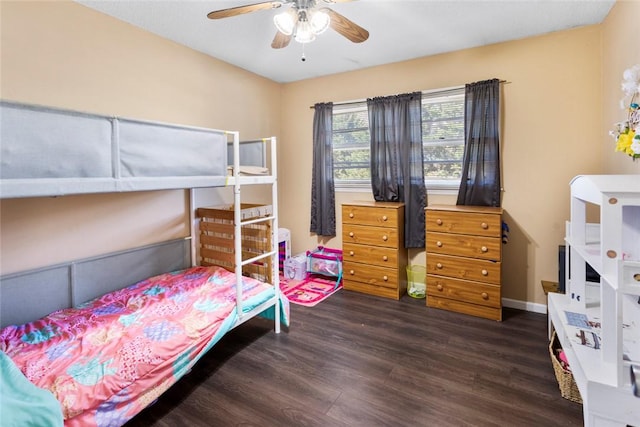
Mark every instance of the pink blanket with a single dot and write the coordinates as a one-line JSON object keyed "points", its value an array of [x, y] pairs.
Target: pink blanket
{"points": [[108, 359]]}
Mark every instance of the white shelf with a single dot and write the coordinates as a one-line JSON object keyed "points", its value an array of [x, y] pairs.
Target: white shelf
{"points": [[250, 180], [591, 188], [628, 273], [586, 363], [591, 253], [612, 249]]}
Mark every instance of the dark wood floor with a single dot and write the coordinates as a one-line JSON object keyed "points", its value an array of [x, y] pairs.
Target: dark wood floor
{"points": [[357, 360]]}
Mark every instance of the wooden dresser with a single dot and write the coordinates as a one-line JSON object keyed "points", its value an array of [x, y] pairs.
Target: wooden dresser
{"points": [[464, 257], [375, 259]]}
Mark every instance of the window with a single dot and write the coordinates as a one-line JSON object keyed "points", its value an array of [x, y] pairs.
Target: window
{"points": [[442, 141], [443, 138], [351, 159]]}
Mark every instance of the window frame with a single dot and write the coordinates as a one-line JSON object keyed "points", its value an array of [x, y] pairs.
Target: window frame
{"points": [[447, 186], [434, 186]]}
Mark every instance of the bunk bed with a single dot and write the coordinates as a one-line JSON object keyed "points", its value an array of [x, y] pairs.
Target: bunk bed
{"points": [[105, 336]]}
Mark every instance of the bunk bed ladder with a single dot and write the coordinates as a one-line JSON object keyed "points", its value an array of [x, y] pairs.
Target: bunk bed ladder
{"points": [[238, 224]]}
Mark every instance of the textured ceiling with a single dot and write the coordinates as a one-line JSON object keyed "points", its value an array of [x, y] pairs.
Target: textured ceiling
{"points": [[399, 30]]}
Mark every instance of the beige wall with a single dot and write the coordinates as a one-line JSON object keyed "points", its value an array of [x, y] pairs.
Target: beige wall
{"points": [[621, 50], [562, 95], [66, 55], [551, 132]]}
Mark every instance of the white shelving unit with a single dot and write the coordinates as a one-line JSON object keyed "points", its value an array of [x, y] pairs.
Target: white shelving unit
{"points": [[598, 324]]}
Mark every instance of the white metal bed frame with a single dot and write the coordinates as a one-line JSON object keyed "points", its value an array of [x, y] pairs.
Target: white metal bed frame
{"points": [[29, 130]]}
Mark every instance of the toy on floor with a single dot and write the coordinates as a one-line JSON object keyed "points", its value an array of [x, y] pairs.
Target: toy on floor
{"points": [[325, 261]]}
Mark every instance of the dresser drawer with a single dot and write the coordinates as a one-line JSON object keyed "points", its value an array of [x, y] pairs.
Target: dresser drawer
{"points": [[370, 215], [464, 290], [373, 255], [493, 313], [370, 274], [464, 268], [366, 235], [380, 291], [464, 245], [373, 248], [479, 224]]}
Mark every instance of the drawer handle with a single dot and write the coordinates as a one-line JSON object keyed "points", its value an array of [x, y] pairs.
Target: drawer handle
{"points": [[438, 265], [439, 221], [385, 278], [485, 272], [385, 237], [384, 217], [351, 253], [351, 215], [484, 295], [439, 244], [439, 287], [636, 277], [351, 272], [385, 258], [484, 225], [351, 234], [484, 249]]}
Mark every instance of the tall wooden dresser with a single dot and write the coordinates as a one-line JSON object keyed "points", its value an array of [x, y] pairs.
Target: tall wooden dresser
{"points": [[464, 257], [375, 259]]}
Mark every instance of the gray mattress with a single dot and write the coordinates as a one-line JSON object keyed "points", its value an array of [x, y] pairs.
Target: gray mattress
{"points": [[47, 151]]}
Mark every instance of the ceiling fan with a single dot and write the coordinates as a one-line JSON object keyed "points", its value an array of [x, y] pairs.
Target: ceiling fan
{"points": [[302, 21]]}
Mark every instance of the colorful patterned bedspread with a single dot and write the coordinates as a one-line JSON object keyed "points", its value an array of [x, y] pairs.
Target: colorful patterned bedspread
{"points": [[108, 359]]}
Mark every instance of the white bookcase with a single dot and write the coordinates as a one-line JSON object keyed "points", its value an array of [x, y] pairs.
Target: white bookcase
{"points": [[598, 324]]}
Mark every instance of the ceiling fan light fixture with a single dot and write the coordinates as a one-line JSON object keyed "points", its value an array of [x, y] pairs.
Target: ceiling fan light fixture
{"points": [[304, 32], [320, 21], [285, 22], [301, 20]]}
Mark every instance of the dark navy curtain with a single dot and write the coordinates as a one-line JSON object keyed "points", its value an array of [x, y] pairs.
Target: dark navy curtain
{"points": [[323, 211], [480, 181], [397, 171]]}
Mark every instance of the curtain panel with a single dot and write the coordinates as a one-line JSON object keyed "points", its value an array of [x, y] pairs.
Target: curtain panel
{"points": [[323, 211], [480, 181], [397, 171]]}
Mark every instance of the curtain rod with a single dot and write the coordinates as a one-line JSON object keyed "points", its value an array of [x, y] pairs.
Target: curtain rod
{"points": [[360, 101]]}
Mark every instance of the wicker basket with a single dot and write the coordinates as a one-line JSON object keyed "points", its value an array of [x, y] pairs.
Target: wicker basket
{"points": [[217, 239], [568, 388]]}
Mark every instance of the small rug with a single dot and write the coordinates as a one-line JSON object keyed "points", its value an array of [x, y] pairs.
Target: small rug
{"points": [[310, 291]]}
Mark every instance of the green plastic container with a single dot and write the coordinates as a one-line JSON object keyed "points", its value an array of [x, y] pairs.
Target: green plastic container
{"points": [[416, 281]]}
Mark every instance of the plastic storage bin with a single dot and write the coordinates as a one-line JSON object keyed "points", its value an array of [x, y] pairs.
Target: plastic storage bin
{"points": [[325, 261], [295, 267], [416, 281]]}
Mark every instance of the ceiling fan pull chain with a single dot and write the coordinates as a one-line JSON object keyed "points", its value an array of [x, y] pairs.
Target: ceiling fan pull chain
{"points": [[304, 58]]}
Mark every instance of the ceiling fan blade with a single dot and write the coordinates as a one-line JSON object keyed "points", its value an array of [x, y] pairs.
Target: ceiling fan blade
{"points": [[239, 10], [280, 40], [347, 28]]}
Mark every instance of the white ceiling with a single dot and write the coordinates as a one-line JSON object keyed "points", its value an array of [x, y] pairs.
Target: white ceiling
{"points": [[399, 30]]}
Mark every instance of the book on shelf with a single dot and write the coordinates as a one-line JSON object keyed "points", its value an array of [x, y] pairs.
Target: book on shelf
{"points": [[584, 330]]}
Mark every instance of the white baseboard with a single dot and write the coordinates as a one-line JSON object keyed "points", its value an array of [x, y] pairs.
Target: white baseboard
{"points": [[524, 305]]}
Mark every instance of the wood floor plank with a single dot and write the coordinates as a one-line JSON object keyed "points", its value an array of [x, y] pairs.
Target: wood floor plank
{"points": [[359, 360]]}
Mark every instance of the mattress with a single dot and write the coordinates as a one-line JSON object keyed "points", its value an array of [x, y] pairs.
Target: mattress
{"points": [[46, 151]]}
